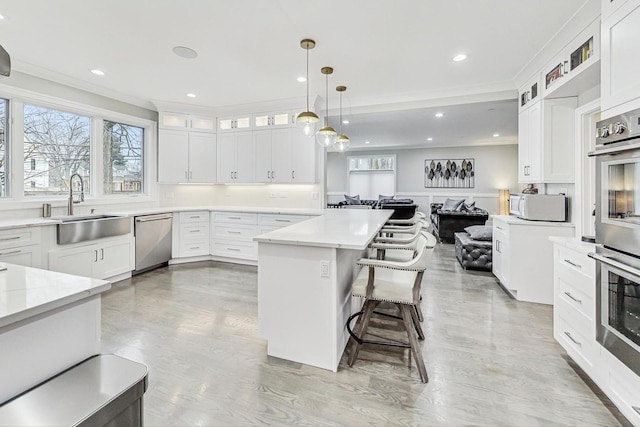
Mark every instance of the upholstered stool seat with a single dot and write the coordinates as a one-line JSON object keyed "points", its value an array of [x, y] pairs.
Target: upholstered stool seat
{"points": [[391, 285]]}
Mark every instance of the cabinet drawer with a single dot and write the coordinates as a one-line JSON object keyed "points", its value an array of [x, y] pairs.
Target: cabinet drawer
{"points": [[194, 231], [28, 256], [194, 248], [17, 237], [577, 261], [582, 349], [576, 297], [234, 231], [235, 217], [281, 220], [235, 249], [194, 216]]}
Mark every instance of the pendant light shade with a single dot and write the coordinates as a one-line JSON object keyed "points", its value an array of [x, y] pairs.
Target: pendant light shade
{"points": [[326, 135], [307, 120], [342, 140]]}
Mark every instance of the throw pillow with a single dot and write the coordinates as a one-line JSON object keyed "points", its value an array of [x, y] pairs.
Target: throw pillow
{"points": [[452, 204], [355, 200], [468, 206], [480, 232], [381, 197]]}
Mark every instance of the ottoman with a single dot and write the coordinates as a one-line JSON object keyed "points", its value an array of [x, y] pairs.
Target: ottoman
{"points": [[475, 254]]}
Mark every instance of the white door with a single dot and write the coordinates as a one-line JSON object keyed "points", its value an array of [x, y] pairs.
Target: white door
{"points": [[262, 147], [202, 157], [281, 155], [173, 156], [113, 258], [244, 157], [226, 157], [303, 158]]}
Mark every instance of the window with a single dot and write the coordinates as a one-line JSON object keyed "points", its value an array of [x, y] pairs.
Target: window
{"points": [[4, 120], [372, 176], [123, 158], [58, 145]]}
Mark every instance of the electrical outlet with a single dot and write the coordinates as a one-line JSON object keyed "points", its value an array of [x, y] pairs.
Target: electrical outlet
{"points": [[324, 268]]}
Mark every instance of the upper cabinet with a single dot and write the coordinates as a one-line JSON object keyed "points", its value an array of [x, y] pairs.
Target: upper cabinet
{"points": [[620, 64], [240, 122], [284, 156], [575, 69], [235, 158], [186, 157], [274, 119], [168, 120], [546, 142]]}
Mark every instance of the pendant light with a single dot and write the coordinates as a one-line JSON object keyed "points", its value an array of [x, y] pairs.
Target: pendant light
{"points": [[326, 135], [307, 120], [342, 141]]}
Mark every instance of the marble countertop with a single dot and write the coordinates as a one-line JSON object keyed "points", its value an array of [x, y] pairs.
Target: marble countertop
{"points": [[39, 222], [336, 228], [511, 219], [26, 292], [574, 243]]}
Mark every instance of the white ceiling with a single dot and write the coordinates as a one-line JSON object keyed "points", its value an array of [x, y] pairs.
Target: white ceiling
{"points": [[385, 52]]}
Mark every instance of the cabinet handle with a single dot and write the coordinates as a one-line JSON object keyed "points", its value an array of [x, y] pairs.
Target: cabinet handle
{"points": [[10, 253], [9, 238], [95, 252], [268, 174], [273, 175], [233, 249], [101, 253], [637, 409], [498, 227], [572, 339], [498, 246], [197, 230], [231, 173], [185, 174], [195, 217], [566, 67], [293, 174], [234, 232], [573, 298], [194, 247], [283, 220], [234, 217], [571, 263], [190, 174]]}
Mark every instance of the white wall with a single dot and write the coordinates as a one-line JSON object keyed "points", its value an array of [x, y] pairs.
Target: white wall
{"points": [[496, 168]]}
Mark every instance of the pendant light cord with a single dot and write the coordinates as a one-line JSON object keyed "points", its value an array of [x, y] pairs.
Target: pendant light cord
{"points": [[307, 78], [326, 113], [340, 113]]}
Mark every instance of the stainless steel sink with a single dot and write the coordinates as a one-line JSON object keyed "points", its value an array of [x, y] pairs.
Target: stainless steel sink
{"points": [[75, 229]]}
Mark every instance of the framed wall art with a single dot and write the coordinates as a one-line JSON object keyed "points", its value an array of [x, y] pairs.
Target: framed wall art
{"points": [[456, 173]]}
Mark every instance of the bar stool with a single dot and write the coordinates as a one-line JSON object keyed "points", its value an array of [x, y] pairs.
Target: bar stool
{"points": [[397, 283]]}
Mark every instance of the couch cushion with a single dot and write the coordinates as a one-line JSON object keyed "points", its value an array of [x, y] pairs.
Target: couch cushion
{"points": [[452, 204], [480, 232], [352, 200]]}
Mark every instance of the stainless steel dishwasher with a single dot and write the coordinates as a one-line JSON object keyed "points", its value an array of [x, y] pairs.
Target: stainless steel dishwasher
{"points": [[153, 241]]}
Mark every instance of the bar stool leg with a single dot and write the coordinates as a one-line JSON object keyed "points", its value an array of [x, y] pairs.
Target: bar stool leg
{"points": [[419, 311], [413, 341], [416, 322], [363, 323]]}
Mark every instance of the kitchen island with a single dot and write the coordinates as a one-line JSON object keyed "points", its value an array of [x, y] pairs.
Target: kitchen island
{"points": [[305, 273], [48, 322]]}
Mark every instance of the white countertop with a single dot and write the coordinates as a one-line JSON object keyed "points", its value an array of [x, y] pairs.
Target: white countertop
{"points": [[336, 228], [26, 292], [511, 219], [574, 243], [38, 222]]}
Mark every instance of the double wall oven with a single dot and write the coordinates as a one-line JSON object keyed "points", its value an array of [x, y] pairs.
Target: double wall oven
{"points": [[618, 235]]}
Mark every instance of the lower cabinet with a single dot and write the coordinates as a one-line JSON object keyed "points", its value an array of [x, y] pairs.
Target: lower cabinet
{"points": [[28, 256], [191, 234], [22, 246], [232, 235], [523, 256], [98, 259]]}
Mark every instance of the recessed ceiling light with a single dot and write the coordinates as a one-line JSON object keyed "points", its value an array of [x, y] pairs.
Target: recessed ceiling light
{"points": [[429, 139], [345, 122], [185, 52], [460, 57], [191, 95], [97, 72], [495, 135], [439, 114], [367, 142], [302, 79]]}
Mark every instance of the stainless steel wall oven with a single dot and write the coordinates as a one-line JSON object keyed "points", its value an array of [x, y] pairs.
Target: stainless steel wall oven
{"points": [[618, 234]]}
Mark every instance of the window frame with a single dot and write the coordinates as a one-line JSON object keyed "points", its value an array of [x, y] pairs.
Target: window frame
{"points": [[16, 198]]}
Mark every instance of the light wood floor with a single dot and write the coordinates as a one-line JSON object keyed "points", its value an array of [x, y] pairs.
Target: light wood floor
{"points": [[491, 360]]}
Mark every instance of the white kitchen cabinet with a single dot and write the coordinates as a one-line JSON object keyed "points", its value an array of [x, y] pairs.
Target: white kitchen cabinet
{"points": [[546, 140], [525, 267], [273, 119], [620, 65], [622, 386], [28, 256], [284, 156], [21, 246], [191, 234], [99, 259], [303, 158], [576, 68], [574, 311], [183, 121], [232, 235], [235, 123], [235, 158], [185, 156]]}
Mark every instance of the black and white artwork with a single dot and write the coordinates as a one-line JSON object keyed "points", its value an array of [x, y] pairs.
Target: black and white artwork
{"points": [[457, 173]]}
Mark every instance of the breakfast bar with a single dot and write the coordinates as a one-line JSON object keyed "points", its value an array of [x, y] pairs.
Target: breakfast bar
{"points": [[305, 273]]}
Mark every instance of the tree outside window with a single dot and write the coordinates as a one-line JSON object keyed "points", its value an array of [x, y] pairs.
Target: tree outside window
{"points": [[123, 158], [58, 144]]}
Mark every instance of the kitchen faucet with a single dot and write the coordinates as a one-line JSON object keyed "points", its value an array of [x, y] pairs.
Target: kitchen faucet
{"points": [[71, 201]]}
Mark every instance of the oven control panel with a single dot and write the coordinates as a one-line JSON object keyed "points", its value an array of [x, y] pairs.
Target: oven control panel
{"points": [[624, 127]]}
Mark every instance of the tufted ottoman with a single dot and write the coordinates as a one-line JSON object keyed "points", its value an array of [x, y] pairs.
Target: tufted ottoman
{"points": [[473, 253]]}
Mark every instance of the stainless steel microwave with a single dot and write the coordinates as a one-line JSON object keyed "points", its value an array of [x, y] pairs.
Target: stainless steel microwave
{"points": [[539, 207]]}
